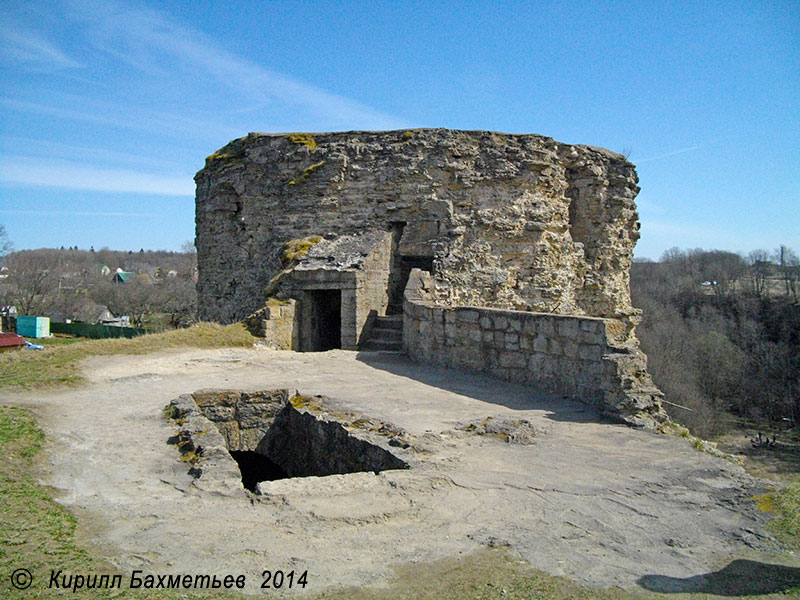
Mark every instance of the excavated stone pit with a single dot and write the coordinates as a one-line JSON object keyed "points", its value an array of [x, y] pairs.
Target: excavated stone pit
{"points": [[227, 436]]}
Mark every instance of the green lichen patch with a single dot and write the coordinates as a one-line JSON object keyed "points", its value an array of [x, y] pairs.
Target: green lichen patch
{"points": [[306, 139], [273, 301], [294, 250], [306, 173], [312, 403], [233, 153]]}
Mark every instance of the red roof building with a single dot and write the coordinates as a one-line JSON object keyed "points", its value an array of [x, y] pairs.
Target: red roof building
{"points": [[11, 341]]}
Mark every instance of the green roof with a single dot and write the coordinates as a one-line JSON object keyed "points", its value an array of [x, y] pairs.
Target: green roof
{"points": [[124, 276]]}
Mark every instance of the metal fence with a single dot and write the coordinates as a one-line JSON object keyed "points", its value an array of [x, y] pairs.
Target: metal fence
{"points": [[96, 331]]}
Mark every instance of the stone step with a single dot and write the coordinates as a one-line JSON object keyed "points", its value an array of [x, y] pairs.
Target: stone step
{"points": [[380, 333], [389, 322], [382, 345], [394, 309]]}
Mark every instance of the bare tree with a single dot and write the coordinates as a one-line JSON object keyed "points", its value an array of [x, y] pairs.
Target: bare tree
{"points": [[177, 297], [758, 260], [720, 268], [5, 244], [189, 250], [31, 281], [789, 269], [136, 299]]}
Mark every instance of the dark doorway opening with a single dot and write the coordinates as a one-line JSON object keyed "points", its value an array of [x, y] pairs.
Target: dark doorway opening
{"points": [[326, 319], [404, 264], [256, 467]]}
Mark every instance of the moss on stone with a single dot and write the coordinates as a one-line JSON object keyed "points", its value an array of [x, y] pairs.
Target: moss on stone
{"points": [[273, 301], [294, 250], [306, 173], [306, 139], [306, 402]]}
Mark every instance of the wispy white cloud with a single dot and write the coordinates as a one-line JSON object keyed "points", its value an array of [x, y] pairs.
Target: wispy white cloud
{"points": [[144, 39], [29, 48], [667, 154], [72, 175], [106, 156], [132, 118]]}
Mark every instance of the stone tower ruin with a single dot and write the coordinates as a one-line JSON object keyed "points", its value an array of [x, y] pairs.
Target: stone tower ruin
{"points": [[499, 252]]}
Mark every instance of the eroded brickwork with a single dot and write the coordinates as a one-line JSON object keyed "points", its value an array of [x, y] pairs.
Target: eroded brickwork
{"points": [[511, 221], [502, 222]]}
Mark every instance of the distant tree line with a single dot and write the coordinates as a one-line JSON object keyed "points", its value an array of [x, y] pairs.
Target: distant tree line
{"points": [[722, 335], [158, 290]]}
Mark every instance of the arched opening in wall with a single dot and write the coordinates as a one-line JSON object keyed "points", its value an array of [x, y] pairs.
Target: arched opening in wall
{"points": [[411, 249]]}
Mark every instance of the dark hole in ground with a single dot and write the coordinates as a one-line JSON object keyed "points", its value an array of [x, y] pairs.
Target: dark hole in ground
{"points": [[271, 436], [256, 467]]}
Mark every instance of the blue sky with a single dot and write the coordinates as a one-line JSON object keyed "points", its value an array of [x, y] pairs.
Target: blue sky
{"points": [[107, 109]]}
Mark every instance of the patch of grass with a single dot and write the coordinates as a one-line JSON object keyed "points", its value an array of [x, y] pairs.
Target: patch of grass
{"points": [[59, 365], [35, 532], [56, 340], [38, 534], [493, 573], [785, 504]]}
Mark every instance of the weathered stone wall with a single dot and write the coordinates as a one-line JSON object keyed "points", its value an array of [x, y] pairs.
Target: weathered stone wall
{"points": [[213, 423], [242, 418], [358, 267], [585, 358], [511, 221], [276, 323]]}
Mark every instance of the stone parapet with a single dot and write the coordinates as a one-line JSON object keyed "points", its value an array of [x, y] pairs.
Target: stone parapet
{"points": [[588, 359]]}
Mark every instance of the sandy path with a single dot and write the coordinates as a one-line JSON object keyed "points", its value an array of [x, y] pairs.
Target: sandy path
{"points": [[597, 502]]}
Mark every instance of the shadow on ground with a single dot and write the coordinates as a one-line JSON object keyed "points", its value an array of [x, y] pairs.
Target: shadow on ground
{"points": [[483, 387], [739, 578]]}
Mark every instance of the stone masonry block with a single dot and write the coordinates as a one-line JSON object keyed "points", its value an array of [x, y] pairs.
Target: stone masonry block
{"points": [[530, 327], [467, 316], [591, 337], [546, 326], [512, 359], [570, 349], [568, 328]]}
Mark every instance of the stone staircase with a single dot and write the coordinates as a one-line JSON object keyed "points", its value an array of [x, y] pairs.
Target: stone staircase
{"points": [[386, 334]]}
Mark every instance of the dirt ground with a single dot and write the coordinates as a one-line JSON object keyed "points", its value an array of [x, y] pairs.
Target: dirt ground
{"points": [[594, 501]]}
